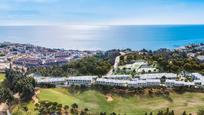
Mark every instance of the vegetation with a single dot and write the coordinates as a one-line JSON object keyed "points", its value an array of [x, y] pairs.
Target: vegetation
{"points": [[2, 77], [25, 108], [110, 55], [2, 54], [6, 96], [97, 101], [168, 61], [17, 82], [86, 66]]}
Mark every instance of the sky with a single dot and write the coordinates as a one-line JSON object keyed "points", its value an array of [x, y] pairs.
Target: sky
{"points": [[101, 12], [90, 24]]}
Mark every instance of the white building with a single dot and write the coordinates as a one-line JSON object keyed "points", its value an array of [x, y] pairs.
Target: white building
{"points": [[51, 80], [158, 76], [137, 84], [67, 81], [201, 57], [152, 82], [81, 80], [147, 69], [198, 79], [144, 83], [111, 82], [169, 83], [174, 83], [119, 77]]}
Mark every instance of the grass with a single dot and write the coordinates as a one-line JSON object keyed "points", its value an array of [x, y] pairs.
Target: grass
{"points": [[131, 105], [18, 109], [2, 77], [96, 101]]}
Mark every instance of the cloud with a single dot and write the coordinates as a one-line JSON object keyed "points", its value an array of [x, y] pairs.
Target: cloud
{"points": [[106, 12], [36, 1]]}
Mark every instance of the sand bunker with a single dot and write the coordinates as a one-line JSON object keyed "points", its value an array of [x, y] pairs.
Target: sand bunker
{"points": [[109, 98]]}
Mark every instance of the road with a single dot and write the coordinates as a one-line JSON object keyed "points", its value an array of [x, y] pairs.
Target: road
{"points": [[116, 63]]}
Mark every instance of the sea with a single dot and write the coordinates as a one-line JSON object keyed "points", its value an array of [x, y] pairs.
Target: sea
{"points": [[100, 37]]}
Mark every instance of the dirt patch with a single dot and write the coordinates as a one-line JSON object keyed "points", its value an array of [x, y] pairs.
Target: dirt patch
{"points": [[35, 98], [109, 98], [3, 107]]}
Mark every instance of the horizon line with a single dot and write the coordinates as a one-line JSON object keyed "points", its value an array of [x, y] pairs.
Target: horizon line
{"points": [[98, 24]]}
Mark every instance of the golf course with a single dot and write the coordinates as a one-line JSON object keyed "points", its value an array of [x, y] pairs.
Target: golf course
{"points": [[2, 77], [131, 105]]}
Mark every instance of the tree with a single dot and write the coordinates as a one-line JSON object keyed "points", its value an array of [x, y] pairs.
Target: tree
{"points": [[143, 71], [6, 96], [66, 108], [184, 113], [74, 105], [172, 112], [102, 113], [201, 112], [25, 87], [74, 108], [133, 73], [113, 113]]}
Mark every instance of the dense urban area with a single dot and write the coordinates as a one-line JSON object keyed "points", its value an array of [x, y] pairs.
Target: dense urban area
{"points": [[119, 74]]}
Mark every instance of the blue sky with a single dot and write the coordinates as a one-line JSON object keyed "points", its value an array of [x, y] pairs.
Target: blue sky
{"points": [[88, 24], [101, 12]]}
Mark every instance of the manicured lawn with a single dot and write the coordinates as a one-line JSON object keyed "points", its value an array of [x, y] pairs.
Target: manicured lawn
{"points": [[19, 109], [2, 77], [96, 101]]}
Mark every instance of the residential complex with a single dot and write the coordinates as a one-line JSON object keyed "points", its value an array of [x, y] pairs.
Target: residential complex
{"points": [[26, 56], [144, 80]]}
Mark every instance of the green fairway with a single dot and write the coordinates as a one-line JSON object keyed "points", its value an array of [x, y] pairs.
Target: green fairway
{"points": [[19, 109], [96, 101], [2, 77]]}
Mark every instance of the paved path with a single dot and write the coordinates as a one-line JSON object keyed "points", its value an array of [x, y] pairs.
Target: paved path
{"points": [[116, 63]]}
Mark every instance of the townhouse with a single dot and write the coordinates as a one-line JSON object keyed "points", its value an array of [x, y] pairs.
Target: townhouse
{"points": [[137, 84], [81, 80], [158, 76], [119, 77], [111, 82], [145, 80], [174, 83], [198, 79], [58, 81]]}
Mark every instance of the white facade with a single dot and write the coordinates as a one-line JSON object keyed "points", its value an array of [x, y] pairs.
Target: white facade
{"points": [[120, 77], [81, 80], [52, 80], [144, 83], [158, 76], [145, 80], [137, 84], [199, 79], [111, 82], [152, 82], [174, 83]]}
